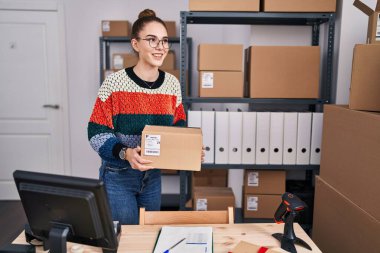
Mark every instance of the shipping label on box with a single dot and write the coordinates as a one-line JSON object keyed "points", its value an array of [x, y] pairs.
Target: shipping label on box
{"points": [[207, 80], [201, 205], [253, 179], [152, 144], [252, 203]]}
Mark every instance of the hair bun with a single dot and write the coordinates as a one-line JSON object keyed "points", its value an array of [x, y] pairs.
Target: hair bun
{"points": [[147, 13]]}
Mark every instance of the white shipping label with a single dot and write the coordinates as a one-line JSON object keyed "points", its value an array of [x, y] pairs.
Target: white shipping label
{"points": [[201, 205], [207, 80], [253, 179], [106, 27], [378, 28], [118, 62], [152, 144], [252, 203]]}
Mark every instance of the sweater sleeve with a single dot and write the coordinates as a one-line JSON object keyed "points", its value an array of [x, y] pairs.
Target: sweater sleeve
{"points": [[179, 114], [100, 127]]}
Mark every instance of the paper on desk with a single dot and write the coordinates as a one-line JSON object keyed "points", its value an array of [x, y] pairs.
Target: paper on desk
{"points": [[198, 239]]}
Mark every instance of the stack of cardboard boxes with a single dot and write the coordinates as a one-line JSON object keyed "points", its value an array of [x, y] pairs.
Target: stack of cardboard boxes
{"points": [[347, 206], [266, 5], [262, 192], [210, 191], [220, 70]]}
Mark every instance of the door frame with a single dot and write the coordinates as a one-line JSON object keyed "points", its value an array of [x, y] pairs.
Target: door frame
{"points": [[54, 6]]}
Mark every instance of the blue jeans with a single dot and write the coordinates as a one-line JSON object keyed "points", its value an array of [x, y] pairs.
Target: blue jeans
{"points": [[129, 189]]}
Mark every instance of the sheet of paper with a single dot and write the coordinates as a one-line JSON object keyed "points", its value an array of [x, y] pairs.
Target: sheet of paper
{"points": [[197, 240]]}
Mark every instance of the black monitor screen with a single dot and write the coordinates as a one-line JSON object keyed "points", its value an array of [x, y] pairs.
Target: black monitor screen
{"points": [[79, 206]]}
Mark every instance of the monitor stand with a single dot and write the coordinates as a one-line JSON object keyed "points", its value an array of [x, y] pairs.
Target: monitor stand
{"points": [[57, 239]]}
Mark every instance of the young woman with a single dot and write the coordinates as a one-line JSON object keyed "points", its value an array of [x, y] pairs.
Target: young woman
{"points": [[127, 101]]}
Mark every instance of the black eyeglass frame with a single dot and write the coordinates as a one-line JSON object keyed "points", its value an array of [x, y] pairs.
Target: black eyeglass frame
{"points": [[149, 39]]}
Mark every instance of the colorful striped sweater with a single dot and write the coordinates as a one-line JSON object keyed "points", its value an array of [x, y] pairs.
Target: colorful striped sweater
{"points": [[125, 104]]}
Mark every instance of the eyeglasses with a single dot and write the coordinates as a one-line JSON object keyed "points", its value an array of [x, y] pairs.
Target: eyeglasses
{"points": [[154, 42]]}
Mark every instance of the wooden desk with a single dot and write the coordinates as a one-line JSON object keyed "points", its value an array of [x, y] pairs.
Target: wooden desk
{"points": [[141, 239]]}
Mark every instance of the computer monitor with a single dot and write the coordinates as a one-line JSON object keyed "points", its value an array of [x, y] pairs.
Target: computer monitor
{"points": [[63, 208]]}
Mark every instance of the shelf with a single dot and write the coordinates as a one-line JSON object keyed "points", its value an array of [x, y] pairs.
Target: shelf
{"points": [[256, 18], [260, 166], [255, 100]]}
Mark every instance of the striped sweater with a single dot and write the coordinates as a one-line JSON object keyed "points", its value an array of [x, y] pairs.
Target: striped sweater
{"points": [[125, 104]]}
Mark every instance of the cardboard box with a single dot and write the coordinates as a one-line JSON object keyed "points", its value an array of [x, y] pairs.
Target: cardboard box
{"points": [[171, 28], [210, 177], [245, 247], [350, 159], [260, 206], [174, 148], [122, 60], [224, 5], [340, 225], [214, 57], [373, 32], [221, 84], [284, 71], [264, 182], [299, 5], [213, 198], [116, 28], [365, 78], [169, 62]]}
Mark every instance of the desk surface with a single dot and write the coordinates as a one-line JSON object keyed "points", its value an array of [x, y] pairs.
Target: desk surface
{"points": [[141, 239]]}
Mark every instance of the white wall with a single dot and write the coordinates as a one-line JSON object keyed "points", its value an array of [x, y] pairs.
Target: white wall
{"points": [[82, 28]]}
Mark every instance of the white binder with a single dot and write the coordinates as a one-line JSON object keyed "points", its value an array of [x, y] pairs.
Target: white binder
{"points": [[249, 138], [235, 137], [316, 138], [262, 138], [290, 138], [221, 137], [303, 138], [276, 137], [208, 130], [194, 119]]}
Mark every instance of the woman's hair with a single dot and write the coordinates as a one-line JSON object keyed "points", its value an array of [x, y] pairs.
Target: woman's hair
{"points": [[145, 17]]}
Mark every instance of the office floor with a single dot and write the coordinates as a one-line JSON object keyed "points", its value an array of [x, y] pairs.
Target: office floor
{"points": [[12, 220]]}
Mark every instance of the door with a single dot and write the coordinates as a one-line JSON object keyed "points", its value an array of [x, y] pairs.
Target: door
{"points": [[32, 84]]}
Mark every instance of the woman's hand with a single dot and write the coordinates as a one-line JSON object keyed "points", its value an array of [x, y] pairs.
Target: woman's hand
{"points": [[136, 161], [203, 154]]}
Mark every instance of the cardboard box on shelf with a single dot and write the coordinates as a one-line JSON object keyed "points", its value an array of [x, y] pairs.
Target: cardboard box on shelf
{"points": [[296, 68], [171, 28], [124, 60], [115, 28], [213, 198], [340, 225], [365, 78], [264, 182], [210, 177], [260, 206], [224, 5], [169, 62], [221, 84], [174, 148], [373, 32], [299, 5], [224, 57], [350, 159]]}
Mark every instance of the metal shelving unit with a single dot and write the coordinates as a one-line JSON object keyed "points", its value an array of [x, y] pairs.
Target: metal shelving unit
{"points": [[314, 20]]}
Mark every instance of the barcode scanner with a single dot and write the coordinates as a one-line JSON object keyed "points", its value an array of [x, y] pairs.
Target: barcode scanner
{"points": [[289, 208]]}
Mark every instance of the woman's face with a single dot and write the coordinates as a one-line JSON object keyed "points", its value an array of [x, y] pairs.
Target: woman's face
{"points": [[149, 52]]}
